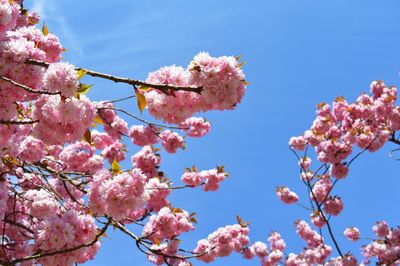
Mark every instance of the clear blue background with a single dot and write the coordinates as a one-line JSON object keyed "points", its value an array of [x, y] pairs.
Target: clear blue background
{"points": [[298, 54]]}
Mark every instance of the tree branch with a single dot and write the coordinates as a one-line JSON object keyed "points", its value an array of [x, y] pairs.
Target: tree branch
{"points": [[165, 88]]}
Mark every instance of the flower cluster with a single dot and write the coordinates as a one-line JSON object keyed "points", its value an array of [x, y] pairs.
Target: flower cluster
{"points": [[221, 79], [223, 242], [117, 196], [167, 224], [210, 179]]}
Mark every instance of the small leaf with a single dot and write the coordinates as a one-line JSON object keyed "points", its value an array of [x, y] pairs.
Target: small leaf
{"points": [[195, 169], [80, 73], [177, 210], [145, 88], [156, 241], [45, 30], [193, 220], [84, 88], [220, 169], [88, 137], [115, 167], [241, 222], [188, 170], [105, 235], [98, 120], [238, 57], [141, 101]]}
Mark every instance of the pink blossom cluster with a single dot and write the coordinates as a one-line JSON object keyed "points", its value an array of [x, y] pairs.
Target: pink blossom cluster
{"points": [[80, 157], [209, 179], [62, 120], [366, 123], [221, 79], [167, 224], [144, 135], [147, 160], [386, 248], [286, 195], [68, 230], [260, 249], [158, 193], [223, 242], [196, 126], [352, 233], [118, 195], [171, 141], [338, 130], [61, 77]]}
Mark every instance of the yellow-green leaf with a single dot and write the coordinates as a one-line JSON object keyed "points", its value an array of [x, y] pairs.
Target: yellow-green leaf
{"points": [[115, 167], [84, 88], [80, 73], [141, 101], [45, 30]]}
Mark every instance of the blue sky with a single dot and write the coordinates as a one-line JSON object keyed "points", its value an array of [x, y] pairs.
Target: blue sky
{"points": [[298, 53]]}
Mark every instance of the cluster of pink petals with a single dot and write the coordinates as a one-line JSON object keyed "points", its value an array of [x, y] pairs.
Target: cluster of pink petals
{"points": [[366, 123], [333, 205], [223, 242], [158, 193], [147, 160], [171, 141], [260, 249], [68, 230], [80, 157], [196, 127], [62, 120], [31, 149], [352, 233], [221, 79], [117, 196], [386, 249], [144, 135], [61, 77], [286, 195], [210, 179], [167, 224]]}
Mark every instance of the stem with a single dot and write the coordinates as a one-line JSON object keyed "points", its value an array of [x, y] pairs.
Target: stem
{"points": [[165, 88]]}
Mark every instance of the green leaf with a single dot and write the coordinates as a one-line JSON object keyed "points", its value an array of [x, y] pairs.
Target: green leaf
{"points": [[84, 88]]}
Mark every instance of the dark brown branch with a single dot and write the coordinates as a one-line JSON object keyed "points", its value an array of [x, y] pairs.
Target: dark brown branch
{"points": [[161, 87], [14, 122], [27, 88]]}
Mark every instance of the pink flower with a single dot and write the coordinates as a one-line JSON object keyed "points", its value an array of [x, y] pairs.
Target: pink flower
{"points": [[286, 195], [171, 141], [333, 205], [352, 233]]}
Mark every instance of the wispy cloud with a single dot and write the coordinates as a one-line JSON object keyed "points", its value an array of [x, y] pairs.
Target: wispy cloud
{"points": [[49, 13]]}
